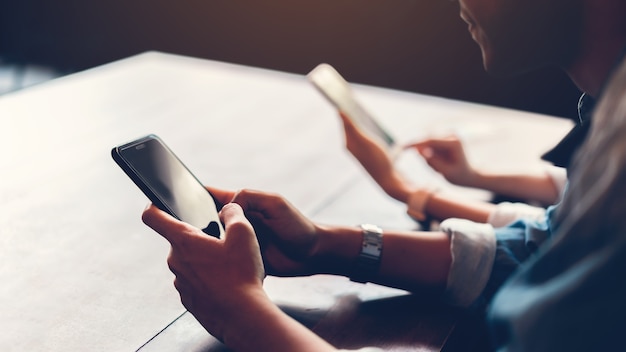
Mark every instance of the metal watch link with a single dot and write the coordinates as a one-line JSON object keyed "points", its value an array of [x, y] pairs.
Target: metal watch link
{"points": [[368, 260]]}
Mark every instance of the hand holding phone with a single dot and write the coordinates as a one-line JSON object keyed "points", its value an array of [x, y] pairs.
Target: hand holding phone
{"points": [[168, 183], [338, 92]]}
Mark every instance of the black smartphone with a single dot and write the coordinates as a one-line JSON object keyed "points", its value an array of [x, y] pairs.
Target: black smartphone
{"points": [[168, 183]]}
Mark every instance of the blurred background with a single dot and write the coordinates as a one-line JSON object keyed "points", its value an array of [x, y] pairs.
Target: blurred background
{"points": [[415, 45]]}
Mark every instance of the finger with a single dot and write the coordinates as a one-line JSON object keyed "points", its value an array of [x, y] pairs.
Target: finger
{"points": [[417, 144], [426, 152], [446, 142], [433, 143], [164, 224], [230, 213], [260, 202], [221, 196], [422, 147], [235, 222]]}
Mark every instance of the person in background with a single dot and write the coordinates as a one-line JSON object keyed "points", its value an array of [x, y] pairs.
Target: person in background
{"points": [[554, 285], [447, 156]]}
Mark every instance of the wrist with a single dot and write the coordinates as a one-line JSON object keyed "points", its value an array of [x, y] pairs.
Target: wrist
{"points": [[397, 186], [367, 263], [253, 323], [474, 179], [337, 248], [243, 309], [260, 325], [417, 202]]}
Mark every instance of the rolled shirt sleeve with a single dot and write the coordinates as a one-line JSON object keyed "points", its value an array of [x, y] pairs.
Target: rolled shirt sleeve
{"points": [[507, 212], [484, 256], [473, 248], [558, 175]]}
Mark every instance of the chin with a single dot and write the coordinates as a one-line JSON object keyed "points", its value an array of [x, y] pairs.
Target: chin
{"points": [[491, 63], [504, 67], [493, 68], [499, 72]]}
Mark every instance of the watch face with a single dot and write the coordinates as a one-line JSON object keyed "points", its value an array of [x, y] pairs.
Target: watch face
{"points": [[371, 228], [372, 242]]}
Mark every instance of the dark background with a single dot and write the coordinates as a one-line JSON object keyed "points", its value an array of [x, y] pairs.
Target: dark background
{"points": [[414, 45]]}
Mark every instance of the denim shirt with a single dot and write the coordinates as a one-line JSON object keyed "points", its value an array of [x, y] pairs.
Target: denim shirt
{"points": [[520, 240], [484, 257], [570, 293]]}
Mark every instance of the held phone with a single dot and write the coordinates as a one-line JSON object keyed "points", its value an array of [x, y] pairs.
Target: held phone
{"points": [[337, 90], [167, 182]]}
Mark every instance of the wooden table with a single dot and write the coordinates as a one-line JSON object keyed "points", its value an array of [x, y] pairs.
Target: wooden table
{"points": [[79, 270]]}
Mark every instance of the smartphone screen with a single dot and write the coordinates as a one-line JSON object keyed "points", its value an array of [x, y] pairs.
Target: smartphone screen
{"points": [[337, 90], [167, 182]]}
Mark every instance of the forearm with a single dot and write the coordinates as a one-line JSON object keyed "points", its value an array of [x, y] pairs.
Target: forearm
{"points": [[535, 187], [441, 206], [410, 260], [257, 324], [415, 261], [376, 160], [395, 185]]}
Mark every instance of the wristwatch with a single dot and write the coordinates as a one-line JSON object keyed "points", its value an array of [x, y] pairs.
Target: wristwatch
{"points": [[368, 260]]}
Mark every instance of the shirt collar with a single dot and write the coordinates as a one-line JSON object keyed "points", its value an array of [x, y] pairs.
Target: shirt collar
{"points": [[562, 153]]}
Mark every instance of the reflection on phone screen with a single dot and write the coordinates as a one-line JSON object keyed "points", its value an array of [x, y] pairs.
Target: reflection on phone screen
{"points": [[177, 189]]}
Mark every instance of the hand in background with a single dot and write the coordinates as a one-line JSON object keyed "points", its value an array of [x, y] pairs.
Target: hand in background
{"points": [[447, 156]]}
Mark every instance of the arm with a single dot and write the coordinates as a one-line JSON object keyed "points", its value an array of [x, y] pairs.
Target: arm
{"points": [[414, 261], [447, 156], [257, 324], [536, 187], [376, 160], [455, 262], [295, 246], [442, 206]]}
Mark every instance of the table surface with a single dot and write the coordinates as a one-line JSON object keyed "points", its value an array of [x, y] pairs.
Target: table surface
{"points": [[79, 270]]}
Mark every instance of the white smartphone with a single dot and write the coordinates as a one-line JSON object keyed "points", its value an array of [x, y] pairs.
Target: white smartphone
{"points": [[338, 91]]}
